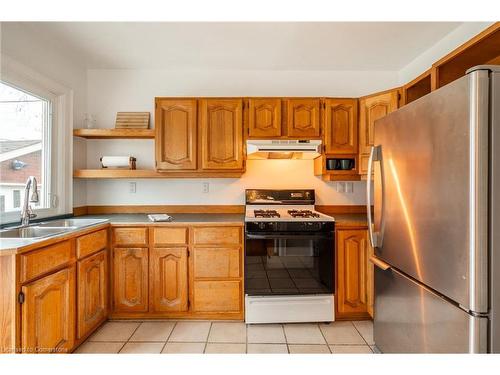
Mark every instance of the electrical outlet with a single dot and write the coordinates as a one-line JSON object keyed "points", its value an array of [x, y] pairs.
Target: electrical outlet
{"points": [[206, 187], [340, 187], [132, 187], [349, 187]]}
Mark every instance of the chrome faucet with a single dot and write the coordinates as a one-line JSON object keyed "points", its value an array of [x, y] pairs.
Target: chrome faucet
{"points": [[27, 212]]}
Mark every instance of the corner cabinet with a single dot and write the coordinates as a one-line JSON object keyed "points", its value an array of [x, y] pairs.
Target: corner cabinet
{"points": [[371, 109], [221, 138], [176, 134], [354, 288]]}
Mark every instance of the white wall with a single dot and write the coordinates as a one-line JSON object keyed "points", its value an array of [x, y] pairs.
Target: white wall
{"points": [[110, 91], [43, 56]]}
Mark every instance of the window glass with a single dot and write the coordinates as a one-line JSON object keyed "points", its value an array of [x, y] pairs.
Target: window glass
{"points": [[25, 126]]}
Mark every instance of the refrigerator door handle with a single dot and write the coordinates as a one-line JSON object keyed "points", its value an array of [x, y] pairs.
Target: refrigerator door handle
{"points": [[380, 263], [375, 155]]}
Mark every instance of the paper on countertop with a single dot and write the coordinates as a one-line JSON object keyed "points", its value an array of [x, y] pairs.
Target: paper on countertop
{"points": [[160, 217]]}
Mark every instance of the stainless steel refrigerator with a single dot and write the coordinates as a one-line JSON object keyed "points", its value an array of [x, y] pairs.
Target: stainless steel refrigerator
{"points": [[436, 220]]}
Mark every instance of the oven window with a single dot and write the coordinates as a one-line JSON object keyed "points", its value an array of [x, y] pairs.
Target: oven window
{"points": [[289, 266]]}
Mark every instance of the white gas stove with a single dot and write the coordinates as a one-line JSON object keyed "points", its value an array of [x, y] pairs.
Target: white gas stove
{"points": [[289, 258]]}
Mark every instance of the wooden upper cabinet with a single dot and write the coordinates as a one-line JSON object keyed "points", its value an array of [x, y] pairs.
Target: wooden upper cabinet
{"points": [[341, 126], [92, 292], [352, 275], [303, 118], [264, 118], [168, 275], [221, 127], [176, 140], [130, 279], [371, 109], [48, 313]]}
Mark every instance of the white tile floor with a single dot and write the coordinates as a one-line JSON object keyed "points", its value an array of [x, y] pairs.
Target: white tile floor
{"points": [[229, 337]]}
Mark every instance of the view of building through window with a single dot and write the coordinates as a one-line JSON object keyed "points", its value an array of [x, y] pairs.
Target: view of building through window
{"points": [[24, 146]]}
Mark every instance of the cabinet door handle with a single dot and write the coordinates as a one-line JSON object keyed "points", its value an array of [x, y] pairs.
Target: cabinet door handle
{"points": [[380, 263]]}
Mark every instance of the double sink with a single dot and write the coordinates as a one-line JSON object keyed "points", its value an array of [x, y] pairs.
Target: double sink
{"points": [[49, 228]]}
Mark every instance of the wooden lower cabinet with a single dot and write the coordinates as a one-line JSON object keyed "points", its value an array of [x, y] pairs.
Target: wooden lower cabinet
{"points": [[168, 275], [186, 272], [216, 262], [48, 313], [352, 274], [92, 306], [217, 296], [130, 279]]}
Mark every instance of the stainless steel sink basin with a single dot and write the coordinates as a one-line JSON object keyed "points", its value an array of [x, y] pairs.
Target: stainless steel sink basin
{"points": [[70, 223], [49, 228], [32, 232]]}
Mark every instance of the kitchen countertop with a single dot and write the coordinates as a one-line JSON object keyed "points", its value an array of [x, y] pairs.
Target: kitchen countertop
{"points": [[10, 245], [142, 219], [351, 220]]}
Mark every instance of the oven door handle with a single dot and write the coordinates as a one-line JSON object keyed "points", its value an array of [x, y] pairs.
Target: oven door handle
{"points": [[287, 236]]}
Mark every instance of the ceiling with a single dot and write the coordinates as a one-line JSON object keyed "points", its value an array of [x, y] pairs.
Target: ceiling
{"points": [[358, 46]]}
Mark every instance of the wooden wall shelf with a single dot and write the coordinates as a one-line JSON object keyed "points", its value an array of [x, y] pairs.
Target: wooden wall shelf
{"points": [[114, 133], [148, 173]]}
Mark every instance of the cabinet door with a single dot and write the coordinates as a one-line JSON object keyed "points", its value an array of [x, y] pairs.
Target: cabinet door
{"points": [[341, 126], [92, 273], [264, 118], [221, 126], [352, 258], [168, 273], [303, 118], [130, 279], [48, 313], [217, 296], [370, 110], [216, 262], [175, 139]]}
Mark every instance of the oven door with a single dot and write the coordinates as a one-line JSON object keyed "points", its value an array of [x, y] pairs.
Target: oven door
{"points": [[289, 263]]}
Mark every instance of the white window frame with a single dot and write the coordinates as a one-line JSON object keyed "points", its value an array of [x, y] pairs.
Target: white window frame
{"points": [[61, 160]]}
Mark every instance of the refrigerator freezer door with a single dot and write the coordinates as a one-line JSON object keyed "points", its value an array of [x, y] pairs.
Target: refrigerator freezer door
{"points": [[410, 318], [432, 212]]}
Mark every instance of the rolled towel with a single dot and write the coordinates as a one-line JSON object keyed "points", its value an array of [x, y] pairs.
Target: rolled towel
{"points": [[118, 162]]}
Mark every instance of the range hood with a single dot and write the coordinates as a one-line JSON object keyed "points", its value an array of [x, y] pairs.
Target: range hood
{"points": [[283, 149]]}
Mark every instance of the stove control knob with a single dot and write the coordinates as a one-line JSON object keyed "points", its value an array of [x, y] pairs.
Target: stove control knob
{"points": [[262, 225]]}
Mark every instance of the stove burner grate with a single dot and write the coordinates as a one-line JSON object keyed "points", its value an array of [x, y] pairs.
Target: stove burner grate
{"points": [[266, 213], [303, 213]]}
